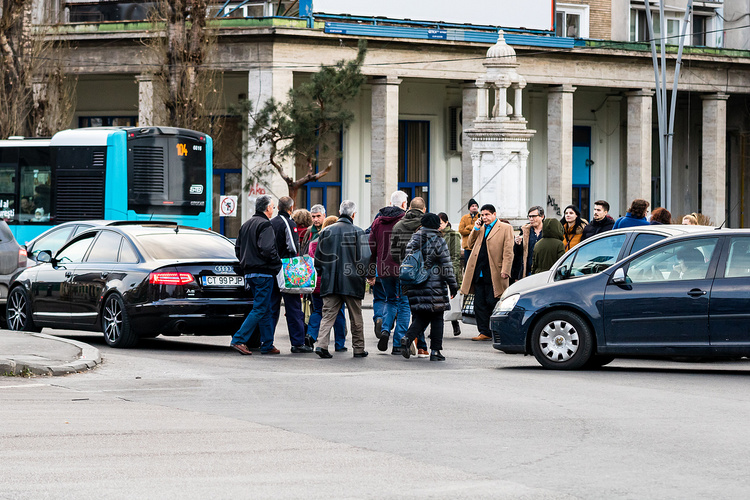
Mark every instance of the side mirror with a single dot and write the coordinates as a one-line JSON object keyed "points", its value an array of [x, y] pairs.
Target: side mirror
{"points": [[44, 256], [619, 277], [561, 273]]}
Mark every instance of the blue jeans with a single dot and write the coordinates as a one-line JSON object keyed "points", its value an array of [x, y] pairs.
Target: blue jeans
{"points": [[339, 327], [260, 316], [378, 301], [397, 313]]}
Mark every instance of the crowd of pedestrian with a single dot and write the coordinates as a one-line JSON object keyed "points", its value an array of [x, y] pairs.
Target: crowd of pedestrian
{"points": [[414, 262]]}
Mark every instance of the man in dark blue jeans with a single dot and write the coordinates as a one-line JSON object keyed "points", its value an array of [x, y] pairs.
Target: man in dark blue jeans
{"points": [[256, 250]]}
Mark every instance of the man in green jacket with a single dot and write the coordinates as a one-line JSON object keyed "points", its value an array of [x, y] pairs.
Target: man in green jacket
{"points": [[550, 247]]}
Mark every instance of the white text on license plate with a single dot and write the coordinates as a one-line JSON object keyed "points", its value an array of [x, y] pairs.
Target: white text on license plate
{"points": [[223, 281]]}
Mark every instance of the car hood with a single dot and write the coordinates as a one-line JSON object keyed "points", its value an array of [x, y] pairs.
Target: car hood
{"points": [[529, 283]]}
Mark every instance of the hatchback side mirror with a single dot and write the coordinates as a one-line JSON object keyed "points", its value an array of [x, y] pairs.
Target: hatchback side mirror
{"points": [[561, 273], [619, 277], [44, 256]]}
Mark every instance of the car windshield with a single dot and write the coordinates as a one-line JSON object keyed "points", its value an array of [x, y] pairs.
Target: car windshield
{"points": [[186, 245]]}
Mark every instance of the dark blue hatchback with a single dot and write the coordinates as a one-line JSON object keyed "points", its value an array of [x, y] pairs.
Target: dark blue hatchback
{"points": [[686, 296]]}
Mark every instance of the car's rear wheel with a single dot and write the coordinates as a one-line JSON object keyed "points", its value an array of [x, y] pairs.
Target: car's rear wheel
{"points": [[18, 311], [562, 340], [116, 324]]}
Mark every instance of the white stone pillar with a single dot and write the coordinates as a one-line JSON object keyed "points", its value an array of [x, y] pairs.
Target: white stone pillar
{"points": [[518, 102], [500, 111], [262, 85], [469, 107], [147, 113], [714, 157], [384, 148], [559, 148], [638, 148], [482, 99]]}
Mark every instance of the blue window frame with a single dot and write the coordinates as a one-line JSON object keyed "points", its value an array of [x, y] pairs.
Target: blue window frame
{"points": [[414, 158], [325, 191]]}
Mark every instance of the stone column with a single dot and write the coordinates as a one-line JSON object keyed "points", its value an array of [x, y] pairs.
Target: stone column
{"points": [[518, 102], [638, 146], [469, 108], [559, 148], [384, 149], [714, 156], [147, 115], [262, 85]]}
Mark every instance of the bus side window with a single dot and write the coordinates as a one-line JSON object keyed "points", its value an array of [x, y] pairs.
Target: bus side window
{"points": [[35, 191]]}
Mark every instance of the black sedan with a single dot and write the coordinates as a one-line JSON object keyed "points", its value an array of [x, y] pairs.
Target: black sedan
{"points": [[132, 280], [686, 296]]}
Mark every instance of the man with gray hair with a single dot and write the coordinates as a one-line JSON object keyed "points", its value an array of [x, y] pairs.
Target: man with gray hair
{"points": [[341, 260], [287, 243], [392, 309], [255, 248], [318, 214]]}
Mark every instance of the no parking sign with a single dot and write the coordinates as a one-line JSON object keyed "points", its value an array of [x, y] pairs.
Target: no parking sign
{"points": [[228, 206]]}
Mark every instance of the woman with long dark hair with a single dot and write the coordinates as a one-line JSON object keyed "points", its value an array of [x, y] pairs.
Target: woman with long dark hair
{"points": [[573, 225]]}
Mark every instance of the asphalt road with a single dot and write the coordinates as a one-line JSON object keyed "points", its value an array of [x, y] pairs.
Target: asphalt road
{"points": [[188, 418]]}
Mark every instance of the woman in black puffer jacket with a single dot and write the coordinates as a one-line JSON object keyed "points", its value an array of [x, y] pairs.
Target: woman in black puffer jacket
{"points": [[428, 300]]}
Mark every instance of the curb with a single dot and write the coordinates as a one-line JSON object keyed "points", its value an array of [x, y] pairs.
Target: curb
{"points": [[88, 358]]}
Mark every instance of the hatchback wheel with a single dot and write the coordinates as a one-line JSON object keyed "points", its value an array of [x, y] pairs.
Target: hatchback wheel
{"points": [[562, 340], [18, 311], [116, 324]]}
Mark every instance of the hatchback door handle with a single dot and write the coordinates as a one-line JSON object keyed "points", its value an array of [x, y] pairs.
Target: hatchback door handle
{"points": [[696, 292], [68, 274]]}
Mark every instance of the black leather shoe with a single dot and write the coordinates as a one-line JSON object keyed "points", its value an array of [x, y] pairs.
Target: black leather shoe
{"points": [[301, 349], [396, 351], [323, 353], [405, 347], [341, 349], [309, 341], [436, 356], [383, 342], [378, 326], [362, 354]]}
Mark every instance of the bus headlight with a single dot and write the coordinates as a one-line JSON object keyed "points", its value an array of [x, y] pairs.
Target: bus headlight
{"points": [[507, 304]]}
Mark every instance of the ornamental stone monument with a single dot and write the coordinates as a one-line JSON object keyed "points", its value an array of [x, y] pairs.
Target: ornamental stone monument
{"points": [[499, 137]]}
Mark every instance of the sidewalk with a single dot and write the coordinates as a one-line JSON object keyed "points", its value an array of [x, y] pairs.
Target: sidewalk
{"points": [[40, 354]]}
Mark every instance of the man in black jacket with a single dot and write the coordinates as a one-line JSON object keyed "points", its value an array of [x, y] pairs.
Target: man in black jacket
{"points": [[601, 222], [342, 260], [256, 249], [287, 243]]}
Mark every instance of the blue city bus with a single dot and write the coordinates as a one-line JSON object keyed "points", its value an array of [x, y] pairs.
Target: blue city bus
{"points": [[112, 173]]}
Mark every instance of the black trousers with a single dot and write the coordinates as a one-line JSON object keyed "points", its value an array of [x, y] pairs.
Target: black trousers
{"points": [[484, 303], [419, 323]]}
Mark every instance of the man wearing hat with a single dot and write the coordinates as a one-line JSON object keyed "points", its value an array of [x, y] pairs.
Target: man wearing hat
{"points": [[466, 226]]}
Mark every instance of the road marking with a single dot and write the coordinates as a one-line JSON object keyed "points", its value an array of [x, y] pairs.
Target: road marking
{"points": [[24, 385]]}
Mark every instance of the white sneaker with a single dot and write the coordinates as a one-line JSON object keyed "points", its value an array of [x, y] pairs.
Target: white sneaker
{"points": [[413, 348]]}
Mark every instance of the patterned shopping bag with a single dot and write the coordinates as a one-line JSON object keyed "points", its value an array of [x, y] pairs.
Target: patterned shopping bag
{"points": [[297, 275]]}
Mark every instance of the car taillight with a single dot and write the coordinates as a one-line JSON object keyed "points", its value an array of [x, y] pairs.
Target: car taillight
{"points": [[22, 257], [170, 278]]}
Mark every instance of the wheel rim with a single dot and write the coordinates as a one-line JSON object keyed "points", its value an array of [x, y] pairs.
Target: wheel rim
{"points": [[559, 341], [112, 320], [17, 311]]}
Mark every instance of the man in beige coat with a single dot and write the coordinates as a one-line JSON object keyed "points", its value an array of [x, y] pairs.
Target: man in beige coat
{"points": [[489, 265]]}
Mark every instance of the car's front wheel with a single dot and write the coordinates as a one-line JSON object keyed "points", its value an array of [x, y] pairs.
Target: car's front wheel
{"points": [[116, 324], [562, 340], [18, 311]]}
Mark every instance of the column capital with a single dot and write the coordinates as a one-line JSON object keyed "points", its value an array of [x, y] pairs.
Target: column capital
{"points": [[564, 89], [718, 96], [639, 93], [385, 80]]}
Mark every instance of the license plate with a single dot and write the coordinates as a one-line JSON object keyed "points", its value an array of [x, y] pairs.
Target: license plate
{"points": [[223, 281]]}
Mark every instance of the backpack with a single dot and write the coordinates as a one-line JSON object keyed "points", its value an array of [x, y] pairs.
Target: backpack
{"points": [[412, 270]]}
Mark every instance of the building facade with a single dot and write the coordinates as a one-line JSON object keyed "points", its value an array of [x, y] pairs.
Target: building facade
{"points": [[588, 94]]}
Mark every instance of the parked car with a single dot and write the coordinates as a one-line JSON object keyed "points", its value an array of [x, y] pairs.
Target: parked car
{"points": [[687, 296], [54, 238], [133, 280], [596, 254]]}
